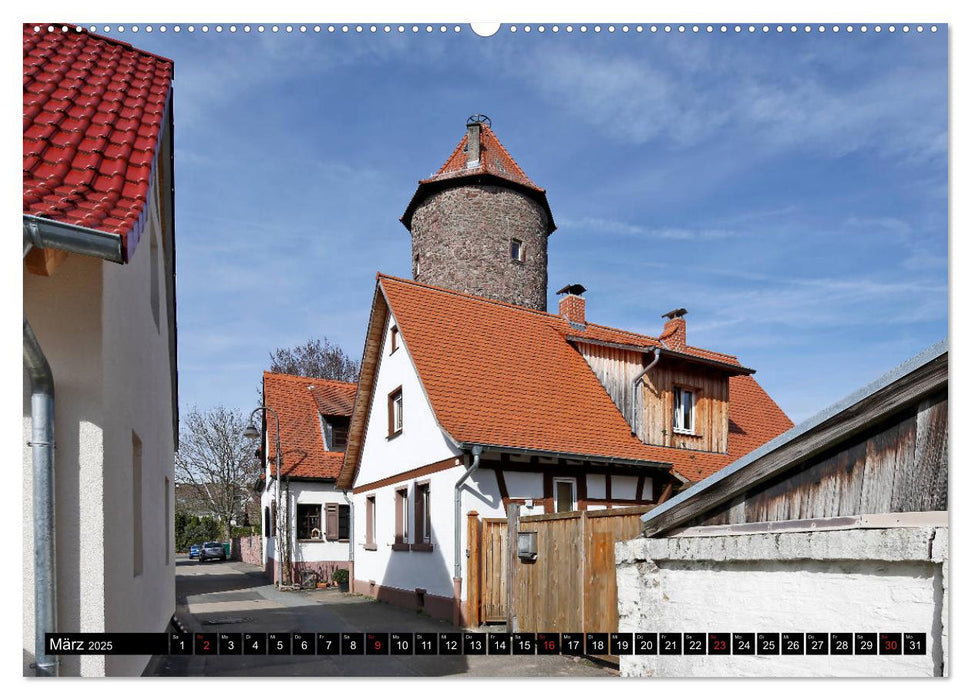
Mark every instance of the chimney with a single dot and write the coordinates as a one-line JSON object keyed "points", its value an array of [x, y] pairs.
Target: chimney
{"points": [[674, 334], [475, 133], [573, 307]]}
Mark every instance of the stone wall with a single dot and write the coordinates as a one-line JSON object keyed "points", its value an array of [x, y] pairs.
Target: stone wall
{"points": [[248, 549], [854, 580], [461, 240]]}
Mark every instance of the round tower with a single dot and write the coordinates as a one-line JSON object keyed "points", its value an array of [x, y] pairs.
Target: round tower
{"points": [[479, 225]]}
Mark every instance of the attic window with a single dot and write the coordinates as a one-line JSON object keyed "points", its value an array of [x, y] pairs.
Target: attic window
{"points": [[517, 251], [395, 413], [394, 338], [684, 410]]}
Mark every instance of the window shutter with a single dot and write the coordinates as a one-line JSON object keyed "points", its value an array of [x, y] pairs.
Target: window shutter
{"points": [[332, 521]]}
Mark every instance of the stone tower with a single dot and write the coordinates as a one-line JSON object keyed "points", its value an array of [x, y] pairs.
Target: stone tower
{"points": [[479, 225]]}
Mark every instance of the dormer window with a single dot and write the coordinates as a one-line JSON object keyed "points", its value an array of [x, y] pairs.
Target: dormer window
{"points": [[335, 433], [517, 251], [684, 410]]}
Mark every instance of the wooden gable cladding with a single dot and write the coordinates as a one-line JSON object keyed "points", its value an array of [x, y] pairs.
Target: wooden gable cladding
{"points": [[649, 408], [710, 389]]}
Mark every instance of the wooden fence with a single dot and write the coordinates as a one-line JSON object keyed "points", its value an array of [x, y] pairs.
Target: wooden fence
{"points": [[572, 584]]}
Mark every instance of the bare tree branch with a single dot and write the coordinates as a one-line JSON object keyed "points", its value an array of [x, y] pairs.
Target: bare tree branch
{"points": [[217, 461]]}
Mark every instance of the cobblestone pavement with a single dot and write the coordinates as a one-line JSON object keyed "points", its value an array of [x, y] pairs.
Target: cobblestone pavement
{"points": [[235, 597]]}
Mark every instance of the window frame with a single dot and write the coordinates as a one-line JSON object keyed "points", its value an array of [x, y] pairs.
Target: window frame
{"points": [[423, 517], [400, 519], [394, 341], [396, 420], [677, 398], [370, 520], [514, 255], [302, 509], [573, 485]]}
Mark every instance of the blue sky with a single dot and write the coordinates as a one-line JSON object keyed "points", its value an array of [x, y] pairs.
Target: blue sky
{"points": [[789, 190]]}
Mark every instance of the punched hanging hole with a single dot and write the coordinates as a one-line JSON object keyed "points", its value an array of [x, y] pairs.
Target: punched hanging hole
{"points": [[485, 29]]}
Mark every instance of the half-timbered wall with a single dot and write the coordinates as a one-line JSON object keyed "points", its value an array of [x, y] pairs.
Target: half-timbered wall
{"points": [[650, 409]]}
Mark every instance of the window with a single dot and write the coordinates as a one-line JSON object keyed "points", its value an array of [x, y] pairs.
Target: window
{"points": [[417, 266], [136, 503], [266, 522], [369, 520], [394, 338], [401, 516], [564, 495], [308, 521], [684, 410], [337, 522], [517, 251], [423, 515], [343, 522], [335, 433], [395, 417]]}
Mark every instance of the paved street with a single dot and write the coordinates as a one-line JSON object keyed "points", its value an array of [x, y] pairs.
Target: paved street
{"points": [[235, 597]]}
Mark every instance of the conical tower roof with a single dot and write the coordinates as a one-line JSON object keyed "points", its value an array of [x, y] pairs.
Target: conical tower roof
{"points": [[494, 166]]}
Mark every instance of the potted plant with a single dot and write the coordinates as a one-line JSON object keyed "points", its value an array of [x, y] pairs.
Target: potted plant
{"points": [[340, 576]]}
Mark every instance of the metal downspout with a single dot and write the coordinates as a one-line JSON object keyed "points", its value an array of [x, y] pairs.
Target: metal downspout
{"points": [[45, 233], [42, 452], [637, 380], [476, 454]]}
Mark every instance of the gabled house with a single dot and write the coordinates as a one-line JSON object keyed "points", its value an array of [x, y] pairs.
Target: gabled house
{"points": [[469, 404], [314, 419], [472, 397], [100, 386]]}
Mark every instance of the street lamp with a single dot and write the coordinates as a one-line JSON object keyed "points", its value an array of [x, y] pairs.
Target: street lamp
{"points": [[252, 432]]}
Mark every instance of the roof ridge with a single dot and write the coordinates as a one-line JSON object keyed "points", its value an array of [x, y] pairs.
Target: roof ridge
{"points": [[308, 377], [475, 297]]}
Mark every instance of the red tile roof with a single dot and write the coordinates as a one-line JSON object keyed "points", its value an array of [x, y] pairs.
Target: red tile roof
{"points": [[298, 402], [504, 375], [494, 160], [94, 114]]}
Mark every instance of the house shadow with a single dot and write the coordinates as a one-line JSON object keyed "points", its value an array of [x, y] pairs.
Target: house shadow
{"points": [[419, 584]]}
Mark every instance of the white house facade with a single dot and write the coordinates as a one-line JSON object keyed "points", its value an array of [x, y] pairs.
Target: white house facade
{"points": [[98, 301], [314, 415]]}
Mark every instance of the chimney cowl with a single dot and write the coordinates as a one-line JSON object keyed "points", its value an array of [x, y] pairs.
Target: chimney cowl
{"points": [[573, 307], [675, 334]]}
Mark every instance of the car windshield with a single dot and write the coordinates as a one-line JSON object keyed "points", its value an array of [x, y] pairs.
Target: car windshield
{"points": [[211, 544]]}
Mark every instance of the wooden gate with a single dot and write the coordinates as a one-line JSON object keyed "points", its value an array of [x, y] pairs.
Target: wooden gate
{"points": [[572, 585], [493, 571]]}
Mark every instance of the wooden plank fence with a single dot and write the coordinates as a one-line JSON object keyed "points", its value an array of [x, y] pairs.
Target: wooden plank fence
{"points": [[572, 584]]}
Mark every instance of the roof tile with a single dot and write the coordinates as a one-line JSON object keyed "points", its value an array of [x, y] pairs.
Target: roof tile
{"points": [[299, 401], [504, 375], [78, 84]]}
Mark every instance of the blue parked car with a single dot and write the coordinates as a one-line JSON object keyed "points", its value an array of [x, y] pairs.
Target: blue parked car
{"points": [[194, 551]]}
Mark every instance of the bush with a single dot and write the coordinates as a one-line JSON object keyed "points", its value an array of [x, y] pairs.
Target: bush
{"points": [[341, 575], [191, 529]]}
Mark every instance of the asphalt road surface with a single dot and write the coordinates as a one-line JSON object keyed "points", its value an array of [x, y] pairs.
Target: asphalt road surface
{"points": [[236, 597]]}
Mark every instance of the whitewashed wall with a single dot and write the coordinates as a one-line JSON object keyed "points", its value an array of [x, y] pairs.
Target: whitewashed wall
{"points": [[855, 580], [421, 440], [408, 570], [110, 363]]}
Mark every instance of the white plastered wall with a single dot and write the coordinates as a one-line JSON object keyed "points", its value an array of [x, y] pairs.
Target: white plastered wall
{"points": [[421, 440], [853, 580], [111, 367]]}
